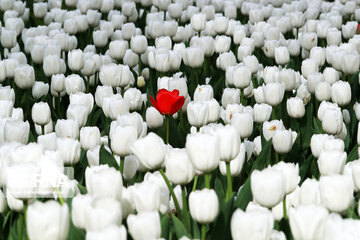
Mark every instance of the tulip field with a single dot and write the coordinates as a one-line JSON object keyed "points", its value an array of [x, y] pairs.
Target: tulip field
{"points": [[179, 119]]}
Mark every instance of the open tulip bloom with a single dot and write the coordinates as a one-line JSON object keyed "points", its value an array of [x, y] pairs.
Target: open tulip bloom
{"points": [[179, 119]]}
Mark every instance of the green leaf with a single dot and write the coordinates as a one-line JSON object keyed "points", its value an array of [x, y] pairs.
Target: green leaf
{"points": [[179, 228], [195, 230], [306, 129], [264, 158], [353, 155], [107, 158], [244, 196], [221, 228], [304, 168], [317, 126], [165, 226]]}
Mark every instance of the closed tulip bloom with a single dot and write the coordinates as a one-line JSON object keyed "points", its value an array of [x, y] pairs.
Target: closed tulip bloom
{"points": [[154, 119], [133, 98], [111, 74], [352, 61], [122, 139], [89, 137], [222, 44], [179, 168], [198, 22], [52, 65], [244, 123], [262, 112], [130, 58], [308, 221], [236, 164], [229, 142], [39, 89], [291, 172], [318, 54], [230, 96], [332, 121], [331, 75], [253, 224], [295, 107], [41, 113], [48, 220], [310, 192], [8, 38], [117, 49], [146, 196], [203, 150], [77, 112], [144, 225], [317, 143], [197, 113], [288, 77], [268, 186], [139, 44], [274, 93], [203, 93], [282, 141], [293, 46], [308, 40], [141, 147], [341, 93], [74, 83], [204, 205], [67, 128], [308, 67], [323, 91], [114, 106], [214, 110], [24, 76], [282, 55], [16, 131], [241, 77], [337, 192], [331, 162], [225, 60], [97, 181], [69, 150], [6, 108], [220, 24], [313, 80], [76, 60], [110, 232], [194, 57]]}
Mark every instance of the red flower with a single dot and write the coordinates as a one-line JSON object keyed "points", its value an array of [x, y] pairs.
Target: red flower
{"points": [[358, 29], [168, 103]]}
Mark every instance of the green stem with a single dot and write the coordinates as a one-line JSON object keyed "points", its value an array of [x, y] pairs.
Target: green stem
{"points": [[139, 66], [207, 180], [121, 168], [176, 202], [21, 228], [87, 84], [276, 157], [229, 181], [195, 183], [203, 232], [185, 208], [61, 199], [284, 208], [25, 216], [167, 119]]}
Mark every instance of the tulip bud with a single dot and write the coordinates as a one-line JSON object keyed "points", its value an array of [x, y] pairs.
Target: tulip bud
{"points": [[16, 131], [76, 60], [153, 118], [332, 121], [236, 164], [69, 150], [323, 91], [282, 55], [8, 38], [74, 83], [244, 225], [41, 113], [140, 150], [294, 47], [144, 225], [122, 139], [6, 108], [244, 123], [241, 77], [204, 205], [56, 217], [308, 40], [282, 141], [291, 173], [262, 112], [295, 107], [308, 67], [66, 128], [341, 93], [203, 150], [179, 168], [24, 76], [308, 221], [197, 113], [230, 96], [268, 186], [274, 93], [97, 181], [133, 98], [331, 162], [89, 137], [198, 21], [194, 57], [337, 192]]}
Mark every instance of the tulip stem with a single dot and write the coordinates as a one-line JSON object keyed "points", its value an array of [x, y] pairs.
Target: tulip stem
{"points": [[203, 232], [121, 165], [176, 202], [61, 199], [167, 119], [195, 183], [284, 208], [139, 66], [207, 180], [185, 208], [229, 181]]}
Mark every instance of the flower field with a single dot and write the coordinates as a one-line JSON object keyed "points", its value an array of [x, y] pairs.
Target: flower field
{"points": [[179, 119]]}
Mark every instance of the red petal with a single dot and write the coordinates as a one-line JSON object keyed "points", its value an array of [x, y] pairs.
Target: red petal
{"points": [[154, 103], [176, 92], [177, 105]]}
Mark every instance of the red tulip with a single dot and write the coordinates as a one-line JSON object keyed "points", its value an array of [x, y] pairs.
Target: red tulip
{"points": [[168, 103]]}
